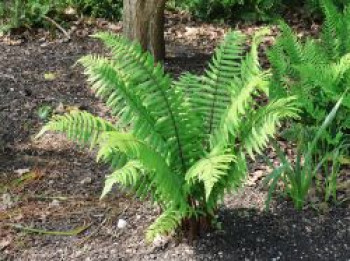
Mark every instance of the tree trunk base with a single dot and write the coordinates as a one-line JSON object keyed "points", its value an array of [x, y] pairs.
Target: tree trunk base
{"points": [[144, 21]]}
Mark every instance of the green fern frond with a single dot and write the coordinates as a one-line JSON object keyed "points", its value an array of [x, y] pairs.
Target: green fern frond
{"points": [[237, 174], [280, 68], [327, 77], [330, 29], [277, 60], [79, 126], [163, 102], [188, 84], [234, 179], [113, 86], [314, 53], [167, 222], [291, 44], [345, 29], [262, 124], [232, 118], [209, 171], [241, 92], [167, 183], [213, 97], [342, 67], [250, 66], [128, 176]]}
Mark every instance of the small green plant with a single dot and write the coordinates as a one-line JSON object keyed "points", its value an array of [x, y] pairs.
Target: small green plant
{"points": [[44, 112], [298, 176], [18, 14], [188, 139], [331, 169], [110, 9], [231, 9], [40, 13]]}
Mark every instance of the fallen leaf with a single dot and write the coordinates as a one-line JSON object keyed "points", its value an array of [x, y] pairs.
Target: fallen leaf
{"points": [[49, 76], [4, 243], [20, 172]]}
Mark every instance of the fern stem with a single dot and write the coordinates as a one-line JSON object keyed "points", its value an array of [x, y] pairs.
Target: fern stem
{"points": [[211, 119], [172, 117], [183, 163]]}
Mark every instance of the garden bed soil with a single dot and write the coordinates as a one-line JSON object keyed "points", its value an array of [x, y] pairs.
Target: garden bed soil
{"points": [[53, 185]]}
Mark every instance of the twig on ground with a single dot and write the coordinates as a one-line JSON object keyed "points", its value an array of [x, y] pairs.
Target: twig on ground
{"points": [[93, 232], [97, 229], [105, 220], [57, 26], [73, 232], [61, 198]]}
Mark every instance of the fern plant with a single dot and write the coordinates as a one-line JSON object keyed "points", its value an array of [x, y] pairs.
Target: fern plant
{"points": [[316, 71], [187, 140]]}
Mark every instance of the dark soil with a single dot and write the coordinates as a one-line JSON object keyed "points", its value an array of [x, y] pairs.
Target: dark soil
{"points": [[54, 185]]}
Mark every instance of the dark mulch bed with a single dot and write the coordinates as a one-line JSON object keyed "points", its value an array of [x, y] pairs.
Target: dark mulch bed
{"points": [[63, 191]]}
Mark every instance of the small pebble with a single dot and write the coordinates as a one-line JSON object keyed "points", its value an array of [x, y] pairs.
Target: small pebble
{"points": [[87, 180], [121, 224], [54, 203]]}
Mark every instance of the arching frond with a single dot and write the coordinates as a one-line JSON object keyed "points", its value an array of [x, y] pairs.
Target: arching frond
{"points": [[163, 102], [234, 179], [330, 29], [113, 86], [263, 123], [167, 183], [79, 126], [212, 97], [167, 222], [209, 171], [327, 78], [128, 176], [250, 67], [241, 89]]}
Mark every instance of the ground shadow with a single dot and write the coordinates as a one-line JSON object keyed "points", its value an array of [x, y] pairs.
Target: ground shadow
{"points": [[194, 64], [283, 235]]}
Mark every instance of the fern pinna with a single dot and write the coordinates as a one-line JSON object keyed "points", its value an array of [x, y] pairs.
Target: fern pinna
{"points": [[189, 138]]}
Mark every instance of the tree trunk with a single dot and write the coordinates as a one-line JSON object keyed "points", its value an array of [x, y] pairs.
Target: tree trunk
{"points": [[144, 21]]}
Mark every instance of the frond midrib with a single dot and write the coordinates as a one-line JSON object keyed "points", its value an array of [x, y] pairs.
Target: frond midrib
{"points": [[217, 80], [172, 118]]}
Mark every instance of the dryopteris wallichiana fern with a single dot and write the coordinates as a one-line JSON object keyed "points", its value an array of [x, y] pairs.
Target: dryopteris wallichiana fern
{"points": [[189, 138]]}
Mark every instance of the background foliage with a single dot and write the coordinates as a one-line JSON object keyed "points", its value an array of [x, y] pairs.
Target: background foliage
{"points": [[317, 72], [229, 10], [31, 13], [110, 9]]}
